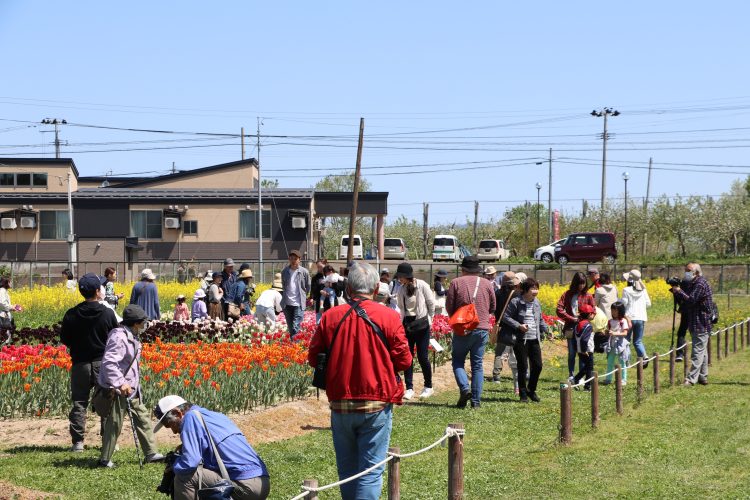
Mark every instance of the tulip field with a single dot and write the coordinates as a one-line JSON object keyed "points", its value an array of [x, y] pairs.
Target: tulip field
{"points": [[229, 366]]}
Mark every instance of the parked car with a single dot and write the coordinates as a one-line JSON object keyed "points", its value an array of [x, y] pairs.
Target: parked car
{"points": [[492, 250], [445, 247], [587, 247], [546, 253], [357, 252], [465, 252], [394, 248]]}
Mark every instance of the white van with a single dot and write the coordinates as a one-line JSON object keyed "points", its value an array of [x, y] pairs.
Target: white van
{"points": [[492, 250], [445, 247], [356, 249]]}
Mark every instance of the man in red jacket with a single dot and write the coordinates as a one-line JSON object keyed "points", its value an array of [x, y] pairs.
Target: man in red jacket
{"points": [[362, 384]]}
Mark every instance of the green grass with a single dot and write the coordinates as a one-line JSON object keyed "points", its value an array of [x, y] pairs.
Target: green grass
{"points": [[683, 442]]}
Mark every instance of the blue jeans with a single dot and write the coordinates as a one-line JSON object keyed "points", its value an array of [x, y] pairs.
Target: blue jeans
{"points": [[360, 441], [293, 316], [572, 357], [472, 344], [637, 334]]}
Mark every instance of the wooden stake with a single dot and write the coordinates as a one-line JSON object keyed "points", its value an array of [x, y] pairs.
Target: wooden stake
{"points": [[709, 349], [595, 401], [656, 373], [566, 415], [639, 384], [726, 343], [394, 475], [618, 389], [718, 345], [672, 356], [455, 465], [311, 483], [734, 338]]}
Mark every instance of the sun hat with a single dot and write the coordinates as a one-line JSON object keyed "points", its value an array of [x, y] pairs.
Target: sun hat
{"points": [[247, 273], [180, 296], [164, 406], [89, 282], [148, 274], [382, 292], [209, 275], [404, 270], [470, 264], [385, 270], [634, 275], [510, 278], [521, 277], [277, 281], [489, 270], [228, 262], [199, 294], [133, 314], [442, 273]]}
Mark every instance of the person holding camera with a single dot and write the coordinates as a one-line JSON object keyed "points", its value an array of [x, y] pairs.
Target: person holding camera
{"points": [[417, 306], [120, 372], [362, 346], [699, 313], [195, 465], [681, 307]]}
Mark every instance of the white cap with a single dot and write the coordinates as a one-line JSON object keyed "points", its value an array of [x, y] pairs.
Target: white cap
{"points": [[165, 405]]}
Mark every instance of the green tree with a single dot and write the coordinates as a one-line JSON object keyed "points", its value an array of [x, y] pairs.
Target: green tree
{"points": [[269, 183], [335, 227], [341, 183]]}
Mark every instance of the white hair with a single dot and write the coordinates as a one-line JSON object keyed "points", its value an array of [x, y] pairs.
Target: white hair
{"points": [[363, 278], [696, 268]]}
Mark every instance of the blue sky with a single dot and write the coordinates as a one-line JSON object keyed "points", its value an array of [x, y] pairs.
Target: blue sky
{"points": [[480, 84]]}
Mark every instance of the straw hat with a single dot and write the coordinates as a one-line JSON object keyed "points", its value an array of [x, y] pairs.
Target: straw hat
{"points": [[277, 281]]}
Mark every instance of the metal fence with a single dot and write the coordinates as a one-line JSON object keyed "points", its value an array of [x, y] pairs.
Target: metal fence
{"points": [[724, 278]]}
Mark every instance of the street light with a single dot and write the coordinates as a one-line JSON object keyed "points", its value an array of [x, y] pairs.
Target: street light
{"points": [[625, 177], [605, 112], [538, 212]]}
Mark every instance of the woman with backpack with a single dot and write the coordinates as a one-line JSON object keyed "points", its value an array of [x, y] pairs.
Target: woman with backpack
{"points": [[567, 310], [636, 300], [415, 301]]}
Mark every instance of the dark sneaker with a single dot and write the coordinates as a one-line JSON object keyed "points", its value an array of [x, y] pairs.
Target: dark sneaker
{"points": [[463, 399], [107, 464], [678, 359], [475, 405], [154, 457], [645, 364], [703, 381], [524, 397], [534, 397]]}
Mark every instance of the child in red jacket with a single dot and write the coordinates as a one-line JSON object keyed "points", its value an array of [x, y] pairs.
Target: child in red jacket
{"points": [[584, 337]]}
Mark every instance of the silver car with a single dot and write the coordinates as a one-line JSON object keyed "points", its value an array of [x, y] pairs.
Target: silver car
{"points": [[394, 248]]}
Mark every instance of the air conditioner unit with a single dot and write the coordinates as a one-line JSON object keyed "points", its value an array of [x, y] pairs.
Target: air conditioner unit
{"points": [[299, 222], [8, 223], [171, 222], [28, 222]]}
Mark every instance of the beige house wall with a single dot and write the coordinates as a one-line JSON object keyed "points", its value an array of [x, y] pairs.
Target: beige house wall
{"points": [[101, 250], [56, 178], [20, 235], [239, 177]]}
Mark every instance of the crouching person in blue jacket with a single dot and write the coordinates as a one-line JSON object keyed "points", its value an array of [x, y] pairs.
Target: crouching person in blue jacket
{"points": [[196, 466]]}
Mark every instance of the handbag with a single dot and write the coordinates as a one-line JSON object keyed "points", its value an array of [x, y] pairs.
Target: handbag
{"points": [[6, 323], [224, 488], [465, 318], [234, 311], [417, 326], [104, 397], [498, 323]]}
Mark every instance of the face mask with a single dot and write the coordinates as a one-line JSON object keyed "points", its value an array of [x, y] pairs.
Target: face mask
{"points": [[689, 275]]}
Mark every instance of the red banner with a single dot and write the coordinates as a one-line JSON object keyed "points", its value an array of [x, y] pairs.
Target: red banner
{"points": [[556, 224]]}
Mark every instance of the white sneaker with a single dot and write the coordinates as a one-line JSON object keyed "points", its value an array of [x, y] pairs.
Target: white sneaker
{"points": [[624, 383], [409, 394], [426, 393], [571, 380], [77, 447]]}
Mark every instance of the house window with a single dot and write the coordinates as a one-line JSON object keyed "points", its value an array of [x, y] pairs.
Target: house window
{"points": [[190, 227], [53, 224], [146, 224], [39, 180], [249, 224]]}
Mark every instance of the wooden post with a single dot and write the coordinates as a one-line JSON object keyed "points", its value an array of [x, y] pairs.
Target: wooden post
{"points": [[656, 373], [595, 401], [718, 345], [734, 338], [639, 383], [672, 356], [355, 192], [742, 335], [312, 483], [726, 343], [394, 475], [566, 415], [709, 349], [455, 465], [618, 389]]}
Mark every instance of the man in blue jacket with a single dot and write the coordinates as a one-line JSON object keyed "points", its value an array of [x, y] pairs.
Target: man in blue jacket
{"points": [[197, 465]]}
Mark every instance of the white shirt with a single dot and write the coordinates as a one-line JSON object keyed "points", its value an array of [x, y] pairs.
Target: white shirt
{"points": [[270, 298], [636, 302]]}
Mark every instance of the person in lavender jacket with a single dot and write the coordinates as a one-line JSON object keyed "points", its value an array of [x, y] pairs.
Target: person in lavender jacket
{"points": [[120, 371]]}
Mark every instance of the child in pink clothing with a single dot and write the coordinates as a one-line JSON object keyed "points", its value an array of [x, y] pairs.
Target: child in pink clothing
{"points": [[181, 311]]}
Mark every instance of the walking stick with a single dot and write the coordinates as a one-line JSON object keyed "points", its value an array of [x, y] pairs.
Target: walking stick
{"points": [[135, 437]]}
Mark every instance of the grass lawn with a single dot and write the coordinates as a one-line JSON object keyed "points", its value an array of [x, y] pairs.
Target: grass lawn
{"points": [[683, 442]]}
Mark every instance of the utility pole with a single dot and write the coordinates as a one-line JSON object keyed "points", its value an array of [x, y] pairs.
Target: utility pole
{"points": [[538, 211], [173, 168], [625, 177], [56, 122], [605, 112], [549, 198], [645, 208], [584, 208], [425, 229], [476, 216], [526, 226], [260, 206], [71, 235], [355, 193], [242, 141]]}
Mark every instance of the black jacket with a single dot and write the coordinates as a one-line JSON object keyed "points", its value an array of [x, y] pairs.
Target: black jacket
{"points": [[84, 331]]}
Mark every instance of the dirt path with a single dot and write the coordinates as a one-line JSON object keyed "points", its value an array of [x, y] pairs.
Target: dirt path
{"points": [[284, 421], [10, 491]]}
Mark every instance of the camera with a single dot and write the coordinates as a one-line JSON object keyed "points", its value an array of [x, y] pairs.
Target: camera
{"points": [[673, 281], [166, 485]]}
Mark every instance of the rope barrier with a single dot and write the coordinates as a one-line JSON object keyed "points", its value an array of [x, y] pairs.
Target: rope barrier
{"points": [[449, 433]]}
